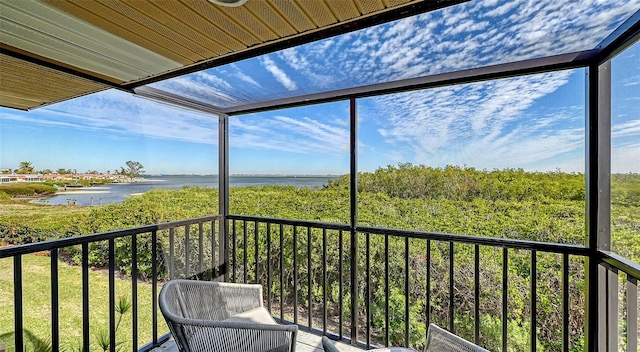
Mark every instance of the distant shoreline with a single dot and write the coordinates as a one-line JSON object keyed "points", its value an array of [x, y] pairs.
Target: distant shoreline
{"points": [[117, 192]]}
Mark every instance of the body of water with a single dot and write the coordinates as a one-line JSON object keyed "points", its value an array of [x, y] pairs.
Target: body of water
{"points": [[117, 192]]}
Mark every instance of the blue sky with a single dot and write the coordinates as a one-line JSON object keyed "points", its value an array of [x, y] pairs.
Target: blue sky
{"points": [[532, 122]]}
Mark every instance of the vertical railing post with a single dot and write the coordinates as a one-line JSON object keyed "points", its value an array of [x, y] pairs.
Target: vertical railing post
{"points": [[134, 291], [353, 142], [223, 191], [598, 171], [154, 286], [86, 334], [17, 304], [55, 302], [112, 295], [632, 314]]}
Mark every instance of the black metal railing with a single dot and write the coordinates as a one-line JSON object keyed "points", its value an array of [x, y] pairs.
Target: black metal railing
{"points": [[156, 252], [618, 303], [479, 288], [407, 279]]}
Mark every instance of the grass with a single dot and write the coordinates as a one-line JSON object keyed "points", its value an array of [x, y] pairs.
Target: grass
{"points": [[37, 306], [14, 212]]}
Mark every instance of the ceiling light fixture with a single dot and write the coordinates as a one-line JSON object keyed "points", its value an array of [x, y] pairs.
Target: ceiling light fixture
{"points": [[228, 3]]}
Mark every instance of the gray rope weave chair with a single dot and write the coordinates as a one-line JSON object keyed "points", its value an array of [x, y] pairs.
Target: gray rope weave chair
{"points": [[441, 340], [328, 346], [438, 340], [206, 316]]}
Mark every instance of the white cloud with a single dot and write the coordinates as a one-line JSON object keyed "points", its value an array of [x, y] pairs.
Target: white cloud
{"points": [[246, 78], [628, 128], [191, 87], [299, 134], [115, 112], [625, 158], [502, 9], [278, 73], [482, 124], [460, 37]]}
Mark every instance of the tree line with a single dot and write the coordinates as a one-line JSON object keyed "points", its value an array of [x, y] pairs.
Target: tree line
{"points": [[132, 169]]}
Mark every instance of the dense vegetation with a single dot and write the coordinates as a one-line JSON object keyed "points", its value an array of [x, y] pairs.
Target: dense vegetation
{"points": [[501, 203], [26, 189], [39, 189]]}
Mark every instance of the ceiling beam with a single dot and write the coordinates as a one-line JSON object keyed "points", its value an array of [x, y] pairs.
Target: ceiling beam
{"points": [[58, 66]]}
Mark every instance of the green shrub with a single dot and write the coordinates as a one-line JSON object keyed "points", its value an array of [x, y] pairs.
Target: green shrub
{"points": [[27, 189], [17, 190], [500, 203]]}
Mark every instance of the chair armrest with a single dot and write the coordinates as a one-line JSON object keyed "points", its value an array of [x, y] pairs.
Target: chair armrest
{"points": [[222, 336]]}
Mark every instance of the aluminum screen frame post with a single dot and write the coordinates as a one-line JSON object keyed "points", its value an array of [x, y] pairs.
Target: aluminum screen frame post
{"points": [[353, 148], [598, 200], [223, 192]]}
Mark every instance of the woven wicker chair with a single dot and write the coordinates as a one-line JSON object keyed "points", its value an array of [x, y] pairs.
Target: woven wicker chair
{"points": [[206, 316], [441, 340]]}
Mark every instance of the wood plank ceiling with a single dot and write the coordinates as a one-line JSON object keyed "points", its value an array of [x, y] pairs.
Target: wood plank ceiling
{"points": [[54, 50]]}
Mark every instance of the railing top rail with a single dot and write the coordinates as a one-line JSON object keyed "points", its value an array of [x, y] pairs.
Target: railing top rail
{"points": [[621, 263], [300, 223], [485, 241], [72, 241]]}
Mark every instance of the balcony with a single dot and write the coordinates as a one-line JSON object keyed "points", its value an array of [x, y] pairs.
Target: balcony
{"points": [[351, 275], [261, 250]]}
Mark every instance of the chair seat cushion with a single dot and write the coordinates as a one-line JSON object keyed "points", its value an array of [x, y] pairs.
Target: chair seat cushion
{"points": [[259, 315]]}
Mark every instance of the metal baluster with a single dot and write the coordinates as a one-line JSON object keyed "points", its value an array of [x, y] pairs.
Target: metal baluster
{"points": [[324, 281], [154, 286], [451, 289], [172, 264], [256, 249], [201, 248], [187, 251], [85, 297], [17, 303], [112, 296], [386, 290], [134, 293], [269, 296], [310, 304], [505, 286], [632, 314], [340, 289], [476, 294], [534, 300], [233, 250], [281, 271], [565, 302], [368, 274], [406, 292], [55, 302], [245, 249], [295, 274]]}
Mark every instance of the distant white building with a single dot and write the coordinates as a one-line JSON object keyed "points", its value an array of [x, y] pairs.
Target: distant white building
{"points": [[21, 178]]}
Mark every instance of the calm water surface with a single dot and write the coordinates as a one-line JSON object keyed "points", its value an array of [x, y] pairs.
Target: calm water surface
{"points": [[117, 192]]}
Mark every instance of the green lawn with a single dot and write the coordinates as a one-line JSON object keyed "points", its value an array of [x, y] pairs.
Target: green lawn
{"points": [[37, 306]]}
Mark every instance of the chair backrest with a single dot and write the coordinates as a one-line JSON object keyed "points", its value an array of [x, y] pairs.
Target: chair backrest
{"points": [[441, 340], [192, 300], [328, 346]]}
